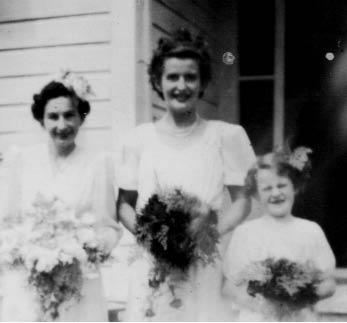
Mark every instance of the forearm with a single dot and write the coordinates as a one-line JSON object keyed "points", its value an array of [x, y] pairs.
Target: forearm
{"points": [[126, 209], [127, 216]]}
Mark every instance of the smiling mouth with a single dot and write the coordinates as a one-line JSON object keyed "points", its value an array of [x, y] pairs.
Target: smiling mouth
{"points": [[182, 99], [277, 201], [63, 136]]}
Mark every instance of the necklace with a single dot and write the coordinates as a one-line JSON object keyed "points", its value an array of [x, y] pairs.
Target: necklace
{"points": [[184, 131]]}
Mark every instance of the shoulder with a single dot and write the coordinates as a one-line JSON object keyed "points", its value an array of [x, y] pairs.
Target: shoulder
{"points": [[94, 156], [225, 128], [232, 136], [308, 227], [26, 153]]}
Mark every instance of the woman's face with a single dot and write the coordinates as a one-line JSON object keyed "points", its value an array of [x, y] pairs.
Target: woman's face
{"points": [[276, 193], [181, 84], [62, 121]]}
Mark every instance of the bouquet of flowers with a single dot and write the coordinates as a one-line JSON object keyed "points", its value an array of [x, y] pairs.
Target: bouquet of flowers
{"points": [[288, 284], [179, 231], [56, 246]]}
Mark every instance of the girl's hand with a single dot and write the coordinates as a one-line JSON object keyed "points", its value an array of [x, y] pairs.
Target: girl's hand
{"points": [[326, 287]]}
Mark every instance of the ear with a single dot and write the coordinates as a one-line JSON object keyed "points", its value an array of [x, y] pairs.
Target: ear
{"points": [[157, 86], [202, 90]]}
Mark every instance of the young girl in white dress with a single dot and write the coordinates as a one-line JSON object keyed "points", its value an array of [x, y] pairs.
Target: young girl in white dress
{"points": [[59, 169], [277, 234], [208, 159]]}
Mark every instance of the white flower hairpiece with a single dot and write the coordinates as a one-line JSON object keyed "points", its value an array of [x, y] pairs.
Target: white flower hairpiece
{"points": [[299, 157], [74, 82]]}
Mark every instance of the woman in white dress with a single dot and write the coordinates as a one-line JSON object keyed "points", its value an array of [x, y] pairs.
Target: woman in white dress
{"points": [[208, 159], [73, 174], [277, 235]]}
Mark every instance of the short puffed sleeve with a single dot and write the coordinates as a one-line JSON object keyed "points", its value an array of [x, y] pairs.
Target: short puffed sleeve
{"points": [[10, 182], [237, 153], [102, 196], [239, 252], [322, 254], [131, 147]]}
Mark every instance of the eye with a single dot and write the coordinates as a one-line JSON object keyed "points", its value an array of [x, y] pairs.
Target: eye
{"points": [[53, 116], [70, 115], [282, 185], [192, 77], [266, 188], [172, 77]]}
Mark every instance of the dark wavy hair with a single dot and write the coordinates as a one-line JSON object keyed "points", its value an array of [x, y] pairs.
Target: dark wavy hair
{"points": [[279, 162], [54, 90], [180, 45]]}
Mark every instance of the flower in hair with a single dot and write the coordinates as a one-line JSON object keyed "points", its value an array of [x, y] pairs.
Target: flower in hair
{"points": [[74, 82], [299, 157]]}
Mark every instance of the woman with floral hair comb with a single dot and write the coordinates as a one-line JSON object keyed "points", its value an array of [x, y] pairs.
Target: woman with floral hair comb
{"points": [[59, 170], [278, 266]]}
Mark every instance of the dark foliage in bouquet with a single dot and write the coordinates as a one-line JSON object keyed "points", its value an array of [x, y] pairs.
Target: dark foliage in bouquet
{"points": [[61, 284], [179, 231], [287, 282], [95, 255]]}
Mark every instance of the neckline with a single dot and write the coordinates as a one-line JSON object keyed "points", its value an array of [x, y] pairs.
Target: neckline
{"points": [[60, 164], [184, 131], [182, 140], [278, 221]]}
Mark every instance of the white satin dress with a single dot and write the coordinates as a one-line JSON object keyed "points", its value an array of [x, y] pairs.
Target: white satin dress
{"points": [[201, 162], [85, 182]]}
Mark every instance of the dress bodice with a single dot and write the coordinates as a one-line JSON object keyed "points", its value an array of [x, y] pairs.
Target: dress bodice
{"points": [[202, 165], [298, 240], [84, 181]]}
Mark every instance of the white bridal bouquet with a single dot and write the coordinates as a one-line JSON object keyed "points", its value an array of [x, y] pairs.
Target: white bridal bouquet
{"points": [[56, 247]]}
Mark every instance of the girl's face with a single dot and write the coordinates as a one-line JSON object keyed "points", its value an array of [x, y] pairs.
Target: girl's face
{"points": [[276, 193], [180, 84], [62, 121]]}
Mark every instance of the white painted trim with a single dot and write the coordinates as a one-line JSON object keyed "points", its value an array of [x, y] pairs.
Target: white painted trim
{"points": [[129, 46]]}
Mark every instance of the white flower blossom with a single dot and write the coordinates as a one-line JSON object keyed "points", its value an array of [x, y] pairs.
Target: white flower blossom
{"points": [[75, 82], [87, 218], [86, 236], [299, 157]]}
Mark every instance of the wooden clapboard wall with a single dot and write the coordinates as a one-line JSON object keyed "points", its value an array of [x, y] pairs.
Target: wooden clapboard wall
{"points": [[36, 39], [200, 16]]}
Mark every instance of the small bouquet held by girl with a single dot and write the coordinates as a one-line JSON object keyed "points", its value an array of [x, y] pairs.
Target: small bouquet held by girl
{"points": [[289, 285], [278, 266], [180, 232], [54, 248]]}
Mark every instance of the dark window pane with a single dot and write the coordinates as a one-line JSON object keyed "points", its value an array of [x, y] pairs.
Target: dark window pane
{"points": [[256, 113], [256, 36]]}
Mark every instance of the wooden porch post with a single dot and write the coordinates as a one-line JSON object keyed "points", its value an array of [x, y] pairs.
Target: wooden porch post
{"points": [[130, 47], [279, 92]]}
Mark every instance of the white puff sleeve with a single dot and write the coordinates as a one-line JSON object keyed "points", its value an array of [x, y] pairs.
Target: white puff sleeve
{"points": [[103, 195], [10, 182], [238, 253], [237, 153], [322, 254], [129, 162]]}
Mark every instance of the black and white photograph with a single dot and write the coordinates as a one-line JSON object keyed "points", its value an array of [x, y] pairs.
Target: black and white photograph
{"points": [[173, 160]]}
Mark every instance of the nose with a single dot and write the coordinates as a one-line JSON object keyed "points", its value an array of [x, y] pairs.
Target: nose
{"points": [[275, 191], [181, 83], [61, 124]]}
